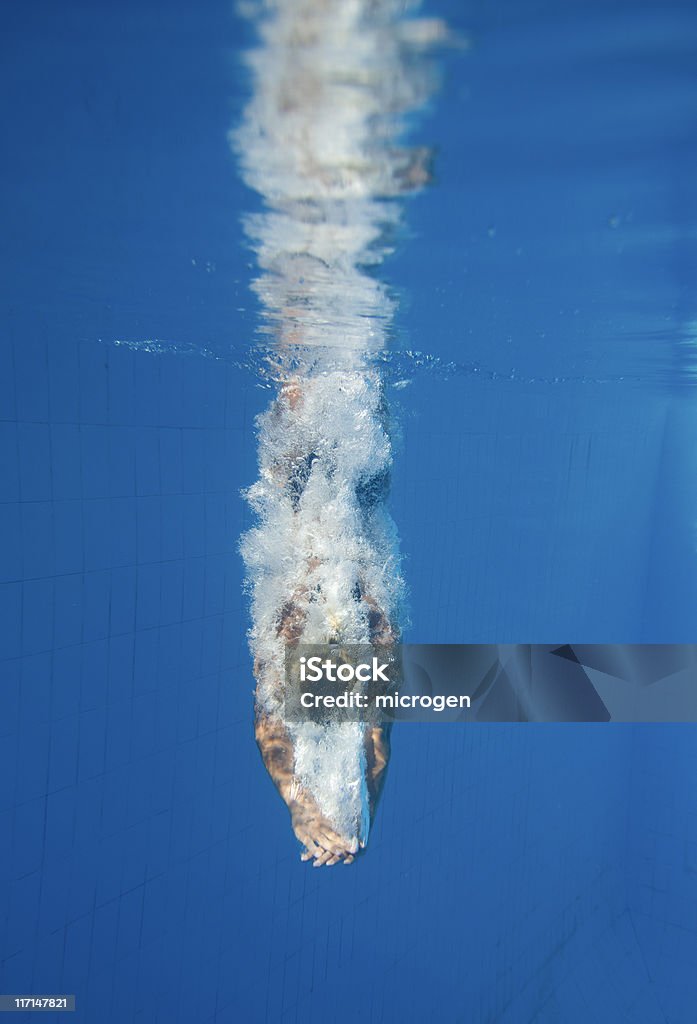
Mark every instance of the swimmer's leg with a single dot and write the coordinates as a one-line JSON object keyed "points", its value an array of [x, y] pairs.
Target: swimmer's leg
{"points": [[291, 468]]}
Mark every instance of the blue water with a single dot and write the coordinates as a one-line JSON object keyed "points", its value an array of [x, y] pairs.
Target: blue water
{"points": [[516, 873]]}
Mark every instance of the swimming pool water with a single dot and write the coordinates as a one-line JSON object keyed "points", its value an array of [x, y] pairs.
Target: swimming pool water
{"points": [[516, 873]]}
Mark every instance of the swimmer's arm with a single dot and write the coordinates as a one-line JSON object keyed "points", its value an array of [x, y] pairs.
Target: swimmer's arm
{"points": [[378, 758], [276, 748]]}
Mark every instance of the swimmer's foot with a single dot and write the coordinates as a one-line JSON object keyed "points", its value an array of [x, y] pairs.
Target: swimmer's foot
{"points": [[322, 843]]}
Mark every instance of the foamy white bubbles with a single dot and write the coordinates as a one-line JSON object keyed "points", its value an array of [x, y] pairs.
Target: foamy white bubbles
{"points": [[320, 142], [324, 529]]}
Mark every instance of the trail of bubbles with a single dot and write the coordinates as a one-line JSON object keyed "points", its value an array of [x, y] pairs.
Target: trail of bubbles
{"points": [[320, 141]]}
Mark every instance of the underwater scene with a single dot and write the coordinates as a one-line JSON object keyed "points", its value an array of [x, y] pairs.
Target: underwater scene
{"points": [[330, 325]]}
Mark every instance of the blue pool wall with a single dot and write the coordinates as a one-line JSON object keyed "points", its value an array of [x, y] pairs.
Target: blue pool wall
{"points": [[146, 864], [541, 874]]}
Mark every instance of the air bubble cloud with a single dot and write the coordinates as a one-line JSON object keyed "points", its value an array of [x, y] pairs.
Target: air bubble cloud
{"points": [[321, 142]]}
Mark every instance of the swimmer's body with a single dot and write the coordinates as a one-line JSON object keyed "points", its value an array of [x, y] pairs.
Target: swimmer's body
{"points": [[321, 143], [322, 841]]}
